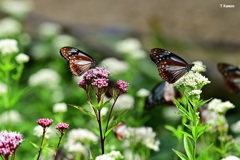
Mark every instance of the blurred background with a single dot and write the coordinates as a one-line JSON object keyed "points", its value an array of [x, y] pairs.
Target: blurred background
{"points": [[198, 30], [195, 30]]}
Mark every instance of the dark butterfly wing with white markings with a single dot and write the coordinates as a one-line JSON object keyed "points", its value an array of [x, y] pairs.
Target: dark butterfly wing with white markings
{"points": [[162, 94], [79, 61], [170, 66], [231, 75]]}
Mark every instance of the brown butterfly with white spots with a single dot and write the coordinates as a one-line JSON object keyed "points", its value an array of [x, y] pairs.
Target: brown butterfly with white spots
{"points": [[231, 75], [170, 66], [79, 61]]}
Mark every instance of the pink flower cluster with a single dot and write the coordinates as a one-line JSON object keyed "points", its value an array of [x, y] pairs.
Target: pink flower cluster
{"points": [[45, 122], [62, 126], [122, 85], [9, 142], [97, 77]]}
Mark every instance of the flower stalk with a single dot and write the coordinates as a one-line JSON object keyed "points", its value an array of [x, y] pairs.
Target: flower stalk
{"points": [[96, 81]]}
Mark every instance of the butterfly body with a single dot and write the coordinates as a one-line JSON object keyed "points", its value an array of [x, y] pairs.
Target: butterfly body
{"points": [[170, 66], [79, 61], [231, 75]]}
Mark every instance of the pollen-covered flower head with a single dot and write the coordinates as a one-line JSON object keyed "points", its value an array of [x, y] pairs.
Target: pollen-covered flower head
{"points": [[9, 142]]}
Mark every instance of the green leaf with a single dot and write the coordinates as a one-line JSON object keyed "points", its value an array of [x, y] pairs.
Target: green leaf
{"points": [[119, 118], [174, 131], [201, 103], [181, 155], [34, 145], [108, 131], [201, 129], [181, 109], [204, 152], [187, 134], [83, 110], [188, 147]]}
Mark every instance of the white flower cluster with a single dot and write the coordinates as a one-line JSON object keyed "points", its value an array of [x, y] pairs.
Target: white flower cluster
{"points": [[3, 88], [142, 92], [45, 77], [131, 47], [49, 29], [17, 8], [215, 121], [38, 131], [220, 107], [198, 67], [77, 138], [214, 115], [124, 101], [9, 27], [8, 46], [10, 117], [22, 58], [236, 127], [115, 66], [141, 136], [60, 108], [61, 40], [193, 80], [113, 155], [231, 158]]}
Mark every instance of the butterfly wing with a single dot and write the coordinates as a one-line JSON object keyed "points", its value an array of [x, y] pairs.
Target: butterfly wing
{"points": [[156, 96], [170, 66], [119, 130], [79, 61], [231, 75]]}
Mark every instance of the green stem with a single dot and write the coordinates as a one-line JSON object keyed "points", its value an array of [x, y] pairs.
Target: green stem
{"points": [[41, 145]]}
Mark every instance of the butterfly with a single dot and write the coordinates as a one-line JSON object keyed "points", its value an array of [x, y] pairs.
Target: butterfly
{"points": [[119, 130], [231, 75], [170, 66], [162, 94], [79, 61]]}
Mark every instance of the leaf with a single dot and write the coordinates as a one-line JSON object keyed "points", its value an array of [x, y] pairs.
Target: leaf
{"points": [[182, 109], [181, 155], [17, 96], [83, 110], [201, 129], [108, 131], [34, 145], [188, 147], [177, 133], [203, 153], [119, 118], [187, 134]]}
